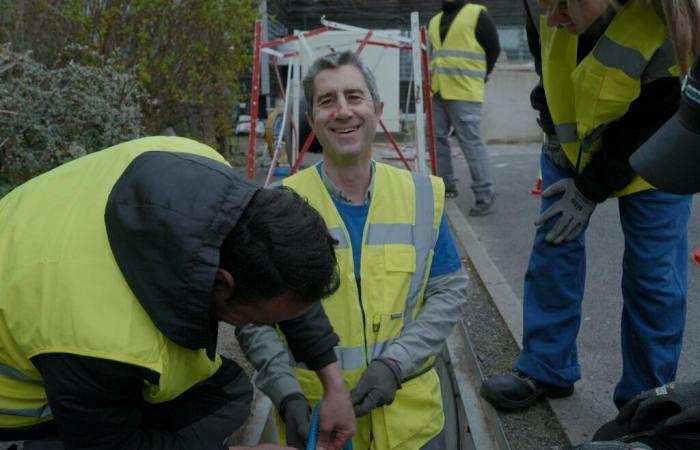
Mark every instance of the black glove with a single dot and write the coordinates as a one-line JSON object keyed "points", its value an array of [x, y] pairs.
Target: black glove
{"points": [[666, 407], [294, 410], [377, 386]]}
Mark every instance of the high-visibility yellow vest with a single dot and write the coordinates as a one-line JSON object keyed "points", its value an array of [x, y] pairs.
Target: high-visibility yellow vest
{"points": [[62, 291], [583, 98], [398, 240], [458, 65]]}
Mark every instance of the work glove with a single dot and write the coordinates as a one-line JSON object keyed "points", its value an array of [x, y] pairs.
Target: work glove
{"points": [[294, 410], [377, 386], [574, 210], [666, 407]]}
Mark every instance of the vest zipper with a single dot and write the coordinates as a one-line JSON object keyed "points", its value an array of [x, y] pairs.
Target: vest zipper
{"points": [[364, 319], [364, 335]]}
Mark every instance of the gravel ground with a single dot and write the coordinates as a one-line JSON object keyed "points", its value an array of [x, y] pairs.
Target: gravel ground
{"points": [[534, 429]]}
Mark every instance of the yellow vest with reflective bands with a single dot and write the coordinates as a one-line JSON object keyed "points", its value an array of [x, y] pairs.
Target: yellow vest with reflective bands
{"points": [[583, 98], [62, 291], [458, 65], [398, 240]]}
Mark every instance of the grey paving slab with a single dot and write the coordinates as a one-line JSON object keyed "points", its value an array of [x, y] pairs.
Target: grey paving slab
{"points": [[506, 237]]}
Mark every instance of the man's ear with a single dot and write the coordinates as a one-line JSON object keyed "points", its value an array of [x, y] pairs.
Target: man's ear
{"points": [[223, 279], [380, 109]]}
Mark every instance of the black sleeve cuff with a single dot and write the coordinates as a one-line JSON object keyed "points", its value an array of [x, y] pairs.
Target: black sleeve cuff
{"points": [[323, 359]]}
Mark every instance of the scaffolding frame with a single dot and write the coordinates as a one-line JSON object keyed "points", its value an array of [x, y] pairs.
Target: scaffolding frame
{"points": [[416, 43]]}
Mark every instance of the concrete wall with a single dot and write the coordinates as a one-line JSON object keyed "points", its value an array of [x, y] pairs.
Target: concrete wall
{"points": [[507, 115]]}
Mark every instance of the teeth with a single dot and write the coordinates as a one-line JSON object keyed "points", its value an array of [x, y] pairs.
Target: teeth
{"points": [[347, 130]]}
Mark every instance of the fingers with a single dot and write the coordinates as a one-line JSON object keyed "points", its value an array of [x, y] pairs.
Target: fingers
{"points": [[549, 212], [572, 230], [557, 233], [628, 410], [323, 442], [556, 188], [368, 403], [646, 411]]}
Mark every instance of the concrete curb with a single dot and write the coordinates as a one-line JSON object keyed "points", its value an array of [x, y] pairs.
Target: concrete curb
{"points": [[507, 303]]}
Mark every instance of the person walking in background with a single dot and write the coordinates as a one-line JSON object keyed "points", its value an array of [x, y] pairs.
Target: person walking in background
{"points": [[607, 87], [464, 50], [402, 282]]}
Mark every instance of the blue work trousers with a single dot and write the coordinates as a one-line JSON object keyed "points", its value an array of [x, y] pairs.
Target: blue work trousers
{"points": [[654, 286]]}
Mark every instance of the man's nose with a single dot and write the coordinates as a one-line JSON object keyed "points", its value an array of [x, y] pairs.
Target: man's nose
{"points": [[343, 108]]}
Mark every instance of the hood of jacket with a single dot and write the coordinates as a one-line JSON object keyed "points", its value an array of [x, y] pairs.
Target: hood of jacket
{"points": [[166, 219]]}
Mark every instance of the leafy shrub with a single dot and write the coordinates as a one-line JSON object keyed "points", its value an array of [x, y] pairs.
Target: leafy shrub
{"points": [[50, 116]]}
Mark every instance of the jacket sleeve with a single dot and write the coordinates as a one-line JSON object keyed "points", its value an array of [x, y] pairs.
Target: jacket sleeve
{"points": [[265, 350], [97, 404], [311, 340], [487, 36], [609, 169], [445, 296]]}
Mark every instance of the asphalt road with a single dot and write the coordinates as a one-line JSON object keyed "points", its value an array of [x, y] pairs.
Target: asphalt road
{"points": [[507, 236]]}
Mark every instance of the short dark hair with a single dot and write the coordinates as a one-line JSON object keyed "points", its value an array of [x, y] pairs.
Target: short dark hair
{"points": [[279, 245], [333, 61]]}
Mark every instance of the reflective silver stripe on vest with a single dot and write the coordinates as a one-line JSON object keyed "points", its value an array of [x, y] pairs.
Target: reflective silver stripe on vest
{"points": [[39, 413], [612, 54], [661, 62], [349, 358], [338, 235], [392, 233], [425, 238], [11, 372], [566, 132], [459, 54], [461, 72]]}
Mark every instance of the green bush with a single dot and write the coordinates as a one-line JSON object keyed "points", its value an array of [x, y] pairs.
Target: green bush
{"points": [[50, 116]]}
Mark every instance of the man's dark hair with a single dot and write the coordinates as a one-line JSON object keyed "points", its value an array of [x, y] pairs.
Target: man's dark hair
{"points": [[279, 245]]}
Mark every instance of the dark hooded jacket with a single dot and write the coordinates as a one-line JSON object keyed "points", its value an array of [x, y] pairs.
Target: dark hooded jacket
{"points": [[166, 218]]}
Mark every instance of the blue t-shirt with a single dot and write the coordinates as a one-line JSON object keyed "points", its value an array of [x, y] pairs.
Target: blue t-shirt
{"points": [[445, 259]]}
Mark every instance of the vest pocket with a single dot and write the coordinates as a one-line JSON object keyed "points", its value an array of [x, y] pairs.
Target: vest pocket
{"points": [[400, 258], [416, 416]]}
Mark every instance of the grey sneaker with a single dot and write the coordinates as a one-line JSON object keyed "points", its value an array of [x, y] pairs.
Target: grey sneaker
{"points": [[483, 206]]}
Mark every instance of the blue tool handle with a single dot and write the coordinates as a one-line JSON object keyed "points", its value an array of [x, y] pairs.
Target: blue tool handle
{"points": [[313, 431]]}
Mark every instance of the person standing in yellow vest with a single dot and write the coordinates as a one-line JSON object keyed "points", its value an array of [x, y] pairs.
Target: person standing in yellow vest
{"points": [[465, 47], [116, 270], [402, 284], [610, 80]]}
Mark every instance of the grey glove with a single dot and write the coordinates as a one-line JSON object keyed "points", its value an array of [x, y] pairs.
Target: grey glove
{"points": [[575, 210], [377, 386], [294, 410], [666, 407]]}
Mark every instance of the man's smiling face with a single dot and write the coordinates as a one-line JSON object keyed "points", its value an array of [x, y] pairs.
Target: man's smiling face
{"points": [[344, 116]]}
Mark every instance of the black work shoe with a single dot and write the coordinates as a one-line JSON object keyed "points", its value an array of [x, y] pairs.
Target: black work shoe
{"points": [[514, 390], [482, 207], [451, 191]]}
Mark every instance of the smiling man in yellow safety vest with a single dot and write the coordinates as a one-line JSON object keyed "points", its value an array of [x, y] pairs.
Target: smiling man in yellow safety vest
{"points": [[402, 284]]}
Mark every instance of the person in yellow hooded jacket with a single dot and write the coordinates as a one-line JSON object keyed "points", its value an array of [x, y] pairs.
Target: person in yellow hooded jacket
{"points": [[610, 79], [116, 269], [402, 284]]}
